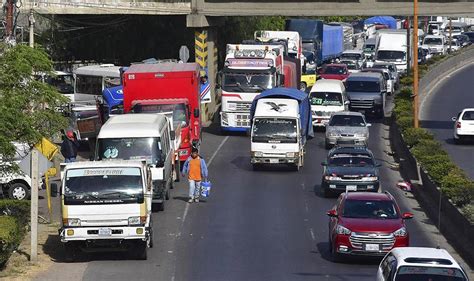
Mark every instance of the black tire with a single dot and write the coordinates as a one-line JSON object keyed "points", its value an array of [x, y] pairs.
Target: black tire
{"points": [[256, 166], [139, 250], [326, 192], [167, 194], [19, 191], [156, 207], [151, 238], [71, 252], [335, 257], [177, 170], [161, 206], [327, 145]]}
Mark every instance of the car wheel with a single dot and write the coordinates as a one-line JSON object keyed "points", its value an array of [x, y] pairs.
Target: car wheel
{"points": [[335, 257], [303, 86], [326, 192], [327, 145], [18, 191], [256, 166]]}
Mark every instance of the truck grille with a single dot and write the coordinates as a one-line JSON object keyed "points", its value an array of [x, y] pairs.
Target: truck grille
{"points": [[386, 241], [241, 106], [242, 120], [362, 104]]}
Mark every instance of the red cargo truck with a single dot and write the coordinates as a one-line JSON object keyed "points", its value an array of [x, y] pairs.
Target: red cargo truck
{"points": [[170, 88]]}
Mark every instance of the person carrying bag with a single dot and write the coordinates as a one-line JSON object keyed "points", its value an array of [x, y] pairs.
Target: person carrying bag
{"points": [[195, 169]]}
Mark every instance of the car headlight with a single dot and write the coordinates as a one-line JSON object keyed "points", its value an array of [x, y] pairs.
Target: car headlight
{"points": [[292, 154], [332, 178], [361, 135], [370, 178], [332, 134], [257, 153], [134, 221], [342, 230], [73, 222], [402, 232]]}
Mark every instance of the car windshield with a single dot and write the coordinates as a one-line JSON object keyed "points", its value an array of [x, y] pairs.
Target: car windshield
{"points": [[103, 186], [63, 83], [274, 130], [468, 115], [350, 160], [351, 56], [433, 41], [177, 110], [326, 98], [334, 70], [130, 149], [363, 86], [347, 121], [248, 82], [369, 209], [423, 273], [390, 55]]}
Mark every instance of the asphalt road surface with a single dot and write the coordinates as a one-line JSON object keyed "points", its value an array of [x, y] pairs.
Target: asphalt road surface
{"points": [[445, 102], [265, 225]]}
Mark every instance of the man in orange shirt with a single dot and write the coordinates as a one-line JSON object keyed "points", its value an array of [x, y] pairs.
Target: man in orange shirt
{"points": [[196, 169]]}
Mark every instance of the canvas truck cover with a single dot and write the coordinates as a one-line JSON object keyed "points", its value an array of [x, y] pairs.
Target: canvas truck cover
{"points": [[113, 96], [303, 101], [386, 20], [333, 41], [308, 29]]}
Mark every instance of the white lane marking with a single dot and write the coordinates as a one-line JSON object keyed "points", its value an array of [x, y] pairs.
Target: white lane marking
{"points": [[306, 206], [217, 150], [312, 234], [186, 209]]}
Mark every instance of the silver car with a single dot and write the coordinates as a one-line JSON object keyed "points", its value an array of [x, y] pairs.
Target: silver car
{"points": [[347, 127]]}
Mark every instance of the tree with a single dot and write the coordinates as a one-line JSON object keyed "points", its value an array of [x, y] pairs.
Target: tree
{"points": [[28, 107]]}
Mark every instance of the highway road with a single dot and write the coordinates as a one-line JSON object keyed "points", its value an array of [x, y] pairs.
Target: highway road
{"points": [[265, 225], [449, 98]]}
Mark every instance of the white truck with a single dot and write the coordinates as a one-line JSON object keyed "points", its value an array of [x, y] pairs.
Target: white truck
{"points": [[435, 43], [248, 70], [106, 204], [142, 137], [392, 47], [295, 43], [281, 125]]}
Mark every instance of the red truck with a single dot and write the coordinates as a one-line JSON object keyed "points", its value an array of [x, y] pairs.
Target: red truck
{"points": [[170, 88]]}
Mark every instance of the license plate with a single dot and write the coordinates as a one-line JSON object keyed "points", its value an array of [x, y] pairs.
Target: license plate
{"points": [[105, 231], [351, 187], [274, 161], [183, 152], [372, 247]]}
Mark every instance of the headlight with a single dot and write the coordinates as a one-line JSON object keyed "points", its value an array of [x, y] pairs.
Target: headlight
{"points": [[73, 222], [232, 106], [361, 135], [332, 134], [332, 178], [342, 230], [292, 154], [370, 178], [257, 153], [134, 221], [402, 232]]}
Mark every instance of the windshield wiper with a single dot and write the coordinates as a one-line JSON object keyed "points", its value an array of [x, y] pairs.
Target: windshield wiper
{"points": [[120, 193], [71, 194]]}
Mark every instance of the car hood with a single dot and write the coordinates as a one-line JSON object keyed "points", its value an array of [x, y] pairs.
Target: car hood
{"points": [[347, 130], [371, 225], [334, 76], [352, 170], [362, 95]]}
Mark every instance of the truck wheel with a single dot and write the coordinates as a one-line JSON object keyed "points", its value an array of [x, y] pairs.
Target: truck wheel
{"points": [[18, 191], [150, 238], [256, 166], [161, 206], [139, 250], [71, 252], [303, 86]]}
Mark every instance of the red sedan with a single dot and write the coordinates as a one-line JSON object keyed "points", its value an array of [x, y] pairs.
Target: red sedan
{"points": [[334, 71], [366, 223]]}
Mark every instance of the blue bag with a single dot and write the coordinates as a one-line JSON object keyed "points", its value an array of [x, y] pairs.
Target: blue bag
{"points": [[206, 188]]}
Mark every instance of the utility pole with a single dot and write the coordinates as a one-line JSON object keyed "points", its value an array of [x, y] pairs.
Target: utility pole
{"points": [[450, 34], [9, 21], [34, 205], [415, 64], [408, 43], [31, 19]]}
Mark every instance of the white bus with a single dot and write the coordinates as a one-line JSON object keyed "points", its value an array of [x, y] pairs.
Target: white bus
{"points": [[91, 80]]}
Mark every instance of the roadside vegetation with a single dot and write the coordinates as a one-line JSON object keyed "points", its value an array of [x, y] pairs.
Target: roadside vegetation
{"points": [[452, 181], [14, 218]]}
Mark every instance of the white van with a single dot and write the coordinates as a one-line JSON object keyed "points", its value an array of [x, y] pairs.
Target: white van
{"points": [[327, 96], [141, 137]]}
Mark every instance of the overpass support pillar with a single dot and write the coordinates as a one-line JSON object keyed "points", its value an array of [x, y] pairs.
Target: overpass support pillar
{"points": [[205, 45]]}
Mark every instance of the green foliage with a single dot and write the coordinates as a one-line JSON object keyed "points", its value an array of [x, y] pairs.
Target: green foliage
{"points": [[405, 93], [413, 136], [407, 80], [405, 122], [426, 148], [9, 238], [468, 211], [403, 107], [457, 187], [18, 209], [28, 106]]}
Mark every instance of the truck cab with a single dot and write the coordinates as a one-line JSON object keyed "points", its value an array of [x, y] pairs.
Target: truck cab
{"points": [[106, 204]]}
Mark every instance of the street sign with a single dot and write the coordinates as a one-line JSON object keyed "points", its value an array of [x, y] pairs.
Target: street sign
{"points": [[184, 54]]}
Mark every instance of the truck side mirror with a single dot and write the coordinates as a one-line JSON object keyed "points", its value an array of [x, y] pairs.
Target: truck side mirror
{"points": [[54, 189], [281, 79], [196, 112]]}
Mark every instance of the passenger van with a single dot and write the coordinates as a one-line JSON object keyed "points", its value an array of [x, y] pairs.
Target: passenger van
{"points": [[367, 92], [327, 97], [141, 137]]}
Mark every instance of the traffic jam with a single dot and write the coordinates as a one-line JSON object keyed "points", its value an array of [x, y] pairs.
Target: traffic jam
{"points": [[281, 88]]}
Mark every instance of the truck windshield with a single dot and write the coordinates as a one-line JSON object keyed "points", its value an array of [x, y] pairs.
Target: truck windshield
{"points": [[363, 86], [349, 56], [148, 149], [274, 130], [433, 41], [103, 186], [421, 273], [178, 110], [390, 55], [248, 82], [326, 98], [63, 83], [91, 85]]}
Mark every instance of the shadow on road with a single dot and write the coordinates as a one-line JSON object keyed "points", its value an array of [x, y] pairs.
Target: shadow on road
{"points": [[435, 124]]}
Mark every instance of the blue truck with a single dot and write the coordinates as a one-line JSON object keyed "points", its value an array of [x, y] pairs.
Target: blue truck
{"points": [[321, 42]]}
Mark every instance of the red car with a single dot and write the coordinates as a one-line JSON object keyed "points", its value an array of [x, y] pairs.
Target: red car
{"points": [[334, 71], [366, 223]]}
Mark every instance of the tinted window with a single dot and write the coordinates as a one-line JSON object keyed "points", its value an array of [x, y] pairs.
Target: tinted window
{"points": [[274, 130], [369, 209], [247, 82], [421, 273], [91, 85], [468, 115], [363, 86], [347, 120], [390, 55], [433, 41], [130, 149], [334, 70], [350, 160]]}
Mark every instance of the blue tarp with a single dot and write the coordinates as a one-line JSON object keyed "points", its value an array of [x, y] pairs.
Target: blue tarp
{"points": [[113, 96], [333, 42], [290, 93], [386, 20]]}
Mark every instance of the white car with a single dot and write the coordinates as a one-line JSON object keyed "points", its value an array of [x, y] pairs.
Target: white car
{"points": [[436, 44], [417, 263], [464, 125]]}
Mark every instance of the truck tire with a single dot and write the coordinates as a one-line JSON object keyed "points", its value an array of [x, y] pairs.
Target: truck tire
{"points": [[18, 191], [139, 250], [71, 252], [161, 206], [256, 166]]}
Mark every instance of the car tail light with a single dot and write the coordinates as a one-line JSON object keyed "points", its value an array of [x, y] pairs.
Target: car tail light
{"points": [[458, 125]]}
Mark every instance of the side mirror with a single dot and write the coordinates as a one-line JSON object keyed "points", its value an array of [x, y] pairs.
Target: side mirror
{"points": [[172, 135], [324, 163], [332, 213], [347, 102], [368, 125], [454, 119], [378, 164], [54, 189], [156, 175], [196, 112], [407, 216]]}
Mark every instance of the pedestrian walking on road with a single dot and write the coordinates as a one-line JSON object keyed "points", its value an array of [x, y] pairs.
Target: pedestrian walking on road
{"points": [[196, 169], [69, 147]]}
